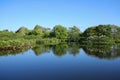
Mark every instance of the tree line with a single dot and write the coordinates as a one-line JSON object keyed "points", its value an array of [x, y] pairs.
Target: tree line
{"points": [[58, 31], [99, 33]]}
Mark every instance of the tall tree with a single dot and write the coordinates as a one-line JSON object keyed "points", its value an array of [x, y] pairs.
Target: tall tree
{"points": [[60, 32], [38, 30], [22, 30], [74, 33], [91, 31], [46, 32]]}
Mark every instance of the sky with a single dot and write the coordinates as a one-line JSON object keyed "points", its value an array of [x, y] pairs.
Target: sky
{"points": [[48, 13]]}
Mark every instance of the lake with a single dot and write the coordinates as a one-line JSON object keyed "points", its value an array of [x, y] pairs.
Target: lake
{"points": [[62, 62]]}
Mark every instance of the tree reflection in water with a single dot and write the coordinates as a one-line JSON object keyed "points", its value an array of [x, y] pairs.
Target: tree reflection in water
{"points": [[60, 49], [99, 51], [13, 52], [41, 49], [103, 51], [74, 48]]}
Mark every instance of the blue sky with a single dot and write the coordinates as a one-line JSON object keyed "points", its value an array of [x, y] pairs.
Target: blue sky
{"points": [[48, 13]]}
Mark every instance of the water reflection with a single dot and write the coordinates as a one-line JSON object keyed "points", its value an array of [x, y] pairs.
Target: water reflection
{"points": [[99, 51], [74, 48], [41, 49], [60, 50], [13, 52], [103, 51]]}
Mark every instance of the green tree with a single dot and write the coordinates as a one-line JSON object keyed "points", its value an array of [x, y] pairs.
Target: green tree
{"points": [[74, 33], [46, 32], [98, 31], [60, 32], [115, 31], [118, 33], [103, 30], [6, 35], [22, 30], [38, 30], [90, 32]]}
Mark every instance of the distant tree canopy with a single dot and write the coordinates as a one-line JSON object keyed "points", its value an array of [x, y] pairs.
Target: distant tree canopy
{"points": [[38, 28], [40, 31], [22, 30], [72, 34], [102, 33], [60, 32], [36, 31], [101, 30]]}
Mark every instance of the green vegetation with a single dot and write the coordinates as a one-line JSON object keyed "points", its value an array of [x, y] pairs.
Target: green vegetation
{"points": [[101, 34], [74, 34], [23, 37], [60, 32], [15, 44], [63, 49], [103, 51], [60, 49], [41, 49]]}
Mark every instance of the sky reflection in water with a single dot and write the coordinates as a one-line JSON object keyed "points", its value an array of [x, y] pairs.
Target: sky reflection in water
{"points": [[61, 62]]}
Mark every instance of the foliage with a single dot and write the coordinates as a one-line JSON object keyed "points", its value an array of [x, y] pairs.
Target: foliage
{"points": [[15, 44], [101, 34], [48, 41], [36, 31], [22, 30], [98, 31], [74, 48], [39, 49], [60, 32], [103, 51], [60, 49], [74, 33]]}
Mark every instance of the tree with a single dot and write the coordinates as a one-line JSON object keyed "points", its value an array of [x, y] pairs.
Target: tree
{"points": [[38, 30], [74, 33], [22, 30], [114, 31], [98, 34], [46, 32], [60, 32], [99, 31], [118, 33], [90, 32], [6, 35], [103, 30]]}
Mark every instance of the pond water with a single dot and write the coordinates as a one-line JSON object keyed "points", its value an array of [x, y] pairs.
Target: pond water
{"points": [[62, 62]]}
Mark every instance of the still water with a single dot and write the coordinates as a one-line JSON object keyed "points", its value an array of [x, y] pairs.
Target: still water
{"points": [[62, 62]]}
